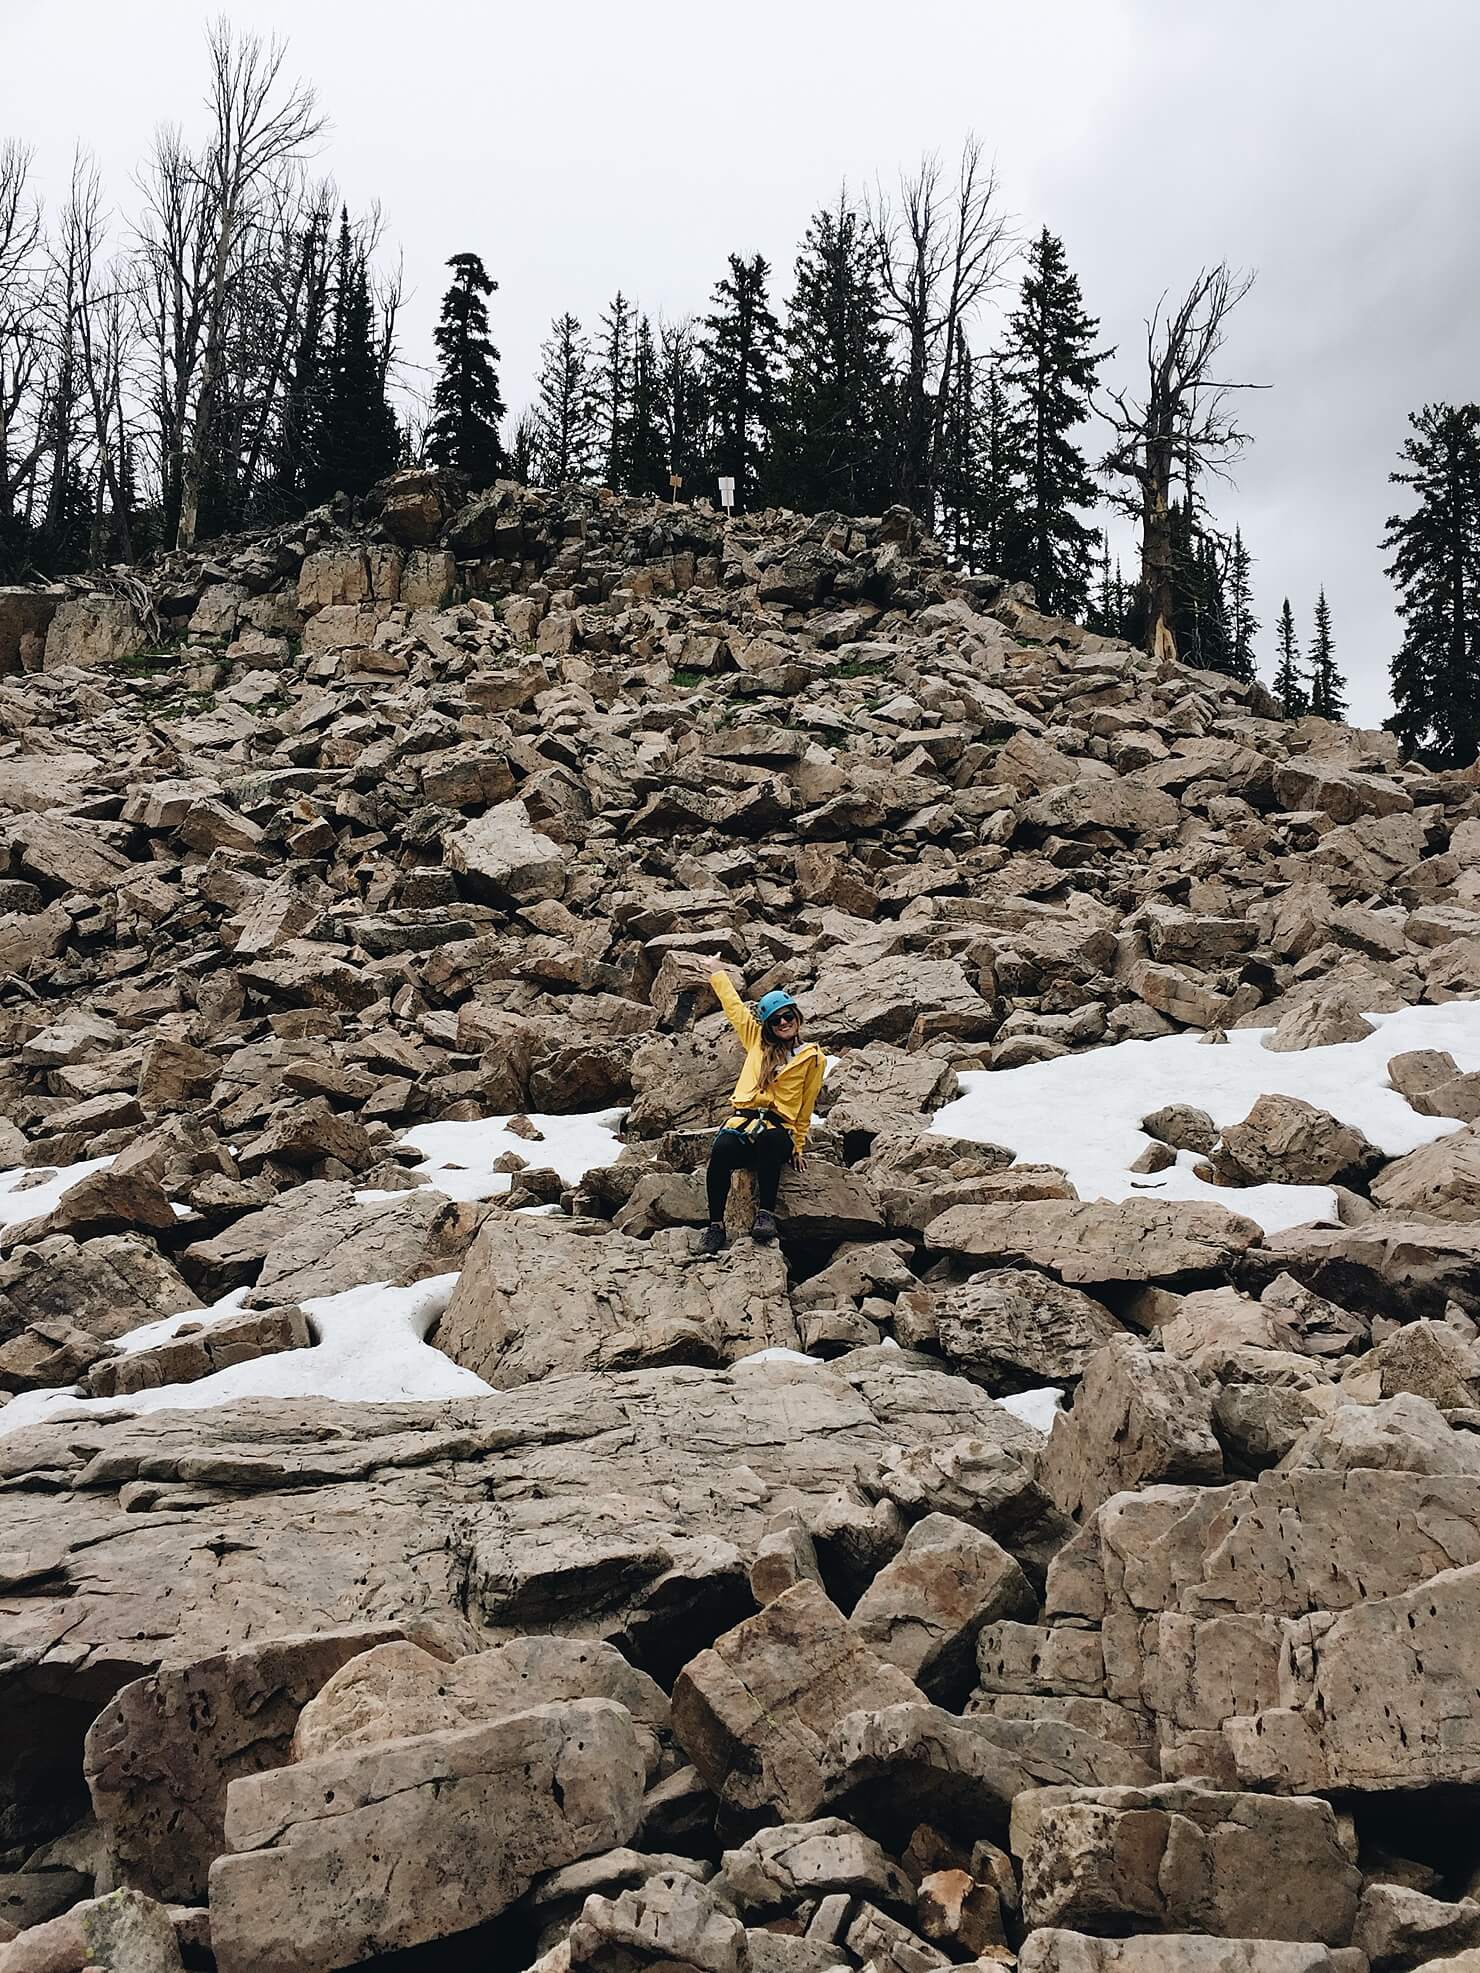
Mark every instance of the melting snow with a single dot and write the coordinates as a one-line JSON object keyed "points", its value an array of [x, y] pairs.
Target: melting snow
{"points": [[22, 1198], [1082, 1112], [458, 1158], [371, 1348]]}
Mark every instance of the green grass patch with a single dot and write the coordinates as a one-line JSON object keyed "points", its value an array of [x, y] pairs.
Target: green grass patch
{"points": [[862, 668], [147, 664], [688, 679]]}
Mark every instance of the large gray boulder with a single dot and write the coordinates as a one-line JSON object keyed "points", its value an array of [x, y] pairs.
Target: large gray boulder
{"points": [[161, 1754], [536, 1299], [1185, 1859], [504, 859], [1089, 1241], [1138, 1419], [753, 1713], [338, 1859]]}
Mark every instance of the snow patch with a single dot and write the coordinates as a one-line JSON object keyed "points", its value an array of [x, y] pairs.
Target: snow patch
{"points": [[458, 1158], [370, 1349], [23, 1198], [1082, 1112], [1037, 1409]]}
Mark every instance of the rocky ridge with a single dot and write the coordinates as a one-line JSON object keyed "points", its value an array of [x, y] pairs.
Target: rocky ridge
{"points": [[675, 1650]]}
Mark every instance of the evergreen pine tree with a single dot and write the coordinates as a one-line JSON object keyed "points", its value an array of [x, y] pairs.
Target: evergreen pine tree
{"points": [[837, 392], [1436, 566], [957, 471], [683, 414], [1327, 686], [522, 447], [642, 457], [466, 403], [1289, 688], [741, 350], [614, 382], [568, 420], [1001, 523], [1050, 360], [1243, 625], [355, 442]]}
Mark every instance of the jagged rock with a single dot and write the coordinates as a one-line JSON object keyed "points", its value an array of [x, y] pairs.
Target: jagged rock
{"points": [[1052, 1951], [1015, 1329], [105, 1286], [101, 1202], [505, 859], [1429, 1359], [89, 631], [753, 1712], [1200, 1589], [1136, 1240], [186, 1358], [394, 1691], [893, 1768], [983, 1485], [1322, 1328], [926, 1607], [1286, 1141], [160, 1755], [534, 1299], [1185, 1859], [1439, 1181], [881, 1000], [778, 1867], [871, 1088], [1404, 1434], [1137, 1420], [1431, 1081], [318, 1240], [1319, 1022], [670, 1925], [1183, 1126], [354, 1854], [123, 1932], [1398, 1928], [24, 617], [1393, 1266], [304, 1516]]}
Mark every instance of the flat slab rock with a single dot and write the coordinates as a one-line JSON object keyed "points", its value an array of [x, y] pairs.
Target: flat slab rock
{"points": [[623, 1507], [535, 1299], [354, 1854], [1053, 1951], [1084, 1240]]}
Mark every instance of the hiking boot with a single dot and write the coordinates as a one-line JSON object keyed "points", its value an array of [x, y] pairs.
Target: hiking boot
{"points": [[714, 1237], [764, 1227]]}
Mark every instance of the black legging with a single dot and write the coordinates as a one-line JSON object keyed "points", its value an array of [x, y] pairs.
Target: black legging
{"points": [[763, 1151]]}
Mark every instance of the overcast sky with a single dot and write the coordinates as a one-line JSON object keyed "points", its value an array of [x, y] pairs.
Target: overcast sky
{"points": [[1333, 145]]}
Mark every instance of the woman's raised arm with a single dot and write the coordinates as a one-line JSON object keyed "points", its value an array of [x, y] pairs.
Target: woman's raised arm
{"points": [[740, 1017]]}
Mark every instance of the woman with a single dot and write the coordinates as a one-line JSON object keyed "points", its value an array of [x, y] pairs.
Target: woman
{"points": [[773, 1106]]}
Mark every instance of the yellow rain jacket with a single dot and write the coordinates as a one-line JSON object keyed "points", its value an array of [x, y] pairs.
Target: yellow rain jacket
{"points": [[791, 1096]]}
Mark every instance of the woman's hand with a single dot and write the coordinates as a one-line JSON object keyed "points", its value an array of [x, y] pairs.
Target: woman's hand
{"points": [[799, 1161]]}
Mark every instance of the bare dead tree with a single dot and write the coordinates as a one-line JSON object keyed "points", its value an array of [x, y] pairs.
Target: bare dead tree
{"points": [[174, 262], [105, 336], [1184, 423], [20, 323], [258, 128], [941, 252]]}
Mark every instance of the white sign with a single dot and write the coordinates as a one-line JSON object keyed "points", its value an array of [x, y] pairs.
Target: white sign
{"points": [[726, 492]]}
